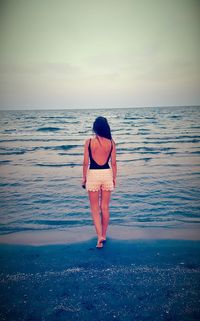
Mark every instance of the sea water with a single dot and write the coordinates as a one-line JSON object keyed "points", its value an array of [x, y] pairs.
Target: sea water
{"points": [[158, 156]]}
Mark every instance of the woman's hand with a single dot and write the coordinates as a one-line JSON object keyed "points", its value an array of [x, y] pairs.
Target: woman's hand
{"points": [[83, 182], [114, 182]]}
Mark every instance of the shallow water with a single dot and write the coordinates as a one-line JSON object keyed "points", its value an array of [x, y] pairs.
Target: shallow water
{"points": [[158, 153]]}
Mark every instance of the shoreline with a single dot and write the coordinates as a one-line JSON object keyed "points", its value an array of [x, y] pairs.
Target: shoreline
{"points": [[82, 234]]}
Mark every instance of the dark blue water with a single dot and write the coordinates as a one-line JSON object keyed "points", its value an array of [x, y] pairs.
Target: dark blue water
{"points": [[158, 153]]}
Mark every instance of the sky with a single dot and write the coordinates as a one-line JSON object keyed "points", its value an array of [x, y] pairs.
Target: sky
{"points": [[99, 54]]}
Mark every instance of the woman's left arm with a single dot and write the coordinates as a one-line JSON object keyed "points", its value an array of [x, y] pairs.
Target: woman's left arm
{"points": [[85, 161], [114, 163]]}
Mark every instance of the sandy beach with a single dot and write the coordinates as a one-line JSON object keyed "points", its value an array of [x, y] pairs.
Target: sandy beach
{"points": [[126, 280]]}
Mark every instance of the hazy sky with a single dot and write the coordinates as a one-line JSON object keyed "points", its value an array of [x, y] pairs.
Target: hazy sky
{"points": [[108, 53]]}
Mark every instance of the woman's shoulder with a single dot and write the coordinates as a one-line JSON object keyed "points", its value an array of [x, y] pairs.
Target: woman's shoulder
{"points": [[113, 142], [95, 141], [87, 141]]}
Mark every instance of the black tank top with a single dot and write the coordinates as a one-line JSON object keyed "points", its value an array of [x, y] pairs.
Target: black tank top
{"points": [[93, 164]]}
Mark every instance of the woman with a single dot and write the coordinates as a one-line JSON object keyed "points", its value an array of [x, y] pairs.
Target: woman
{"points": [[99, 179]]}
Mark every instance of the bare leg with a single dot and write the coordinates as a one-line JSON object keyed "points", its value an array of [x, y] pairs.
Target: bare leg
{"points": [[95, 210], [105, 199]]}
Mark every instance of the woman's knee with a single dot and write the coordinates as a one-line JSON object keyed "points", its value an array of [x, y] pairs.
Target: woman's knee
{"points": [[104, 207], [95, 209]]}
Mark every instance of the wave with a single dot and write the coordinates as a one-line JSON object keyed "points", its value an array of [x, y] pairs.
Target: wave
{"points": [[166, 140], [12, 229], [37, 140], [10, 184], [71, 154], [133, 118], [30, 117], [9, 130], [59, 117], [175, 137], [2, 162], [15, 152], [59, 222], [58, 165], [61, 147], [152, 118], [49, 129], [146, 159], [145, 149], [65, 147], [4, 230], [65, 122], [10, 151], [143, 129], [175, 116]]}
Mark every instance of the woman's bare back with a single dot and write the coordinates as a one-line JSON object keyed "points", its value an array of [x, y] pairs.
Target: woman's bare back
{"points": [[100, 148]]}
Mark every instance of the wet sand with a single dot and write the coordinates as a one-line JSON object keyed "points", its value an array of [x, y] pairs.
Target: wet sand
{"points": [[126, 280], [85, 233]]}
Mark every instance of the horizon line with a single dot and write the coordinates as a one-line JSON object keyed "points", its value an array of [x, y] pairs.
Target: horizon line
{"points": [[92, 108]]}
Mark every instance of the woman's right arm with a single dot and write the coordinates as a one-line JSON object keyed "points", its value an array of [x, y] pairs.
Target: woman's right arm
{"points": [[85, 161], [114, 163]]}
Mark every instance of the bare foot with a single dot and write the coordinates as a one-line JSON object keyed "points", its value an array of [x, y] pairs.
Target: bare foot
{"points": [[99, 243]]}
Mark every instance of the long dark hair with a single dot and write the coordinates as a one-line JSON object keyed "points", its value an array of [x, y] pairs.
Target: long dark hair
{"points": [[102, 128]]}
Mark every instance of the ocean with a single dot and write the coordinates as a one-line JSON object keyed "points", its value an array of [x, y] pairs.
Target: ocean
{"points": [[158, 156]]}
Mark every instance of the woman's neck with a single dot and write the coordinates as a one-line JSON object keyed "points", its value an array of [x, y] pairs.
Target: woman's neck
{"points": [[100, 137]]}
